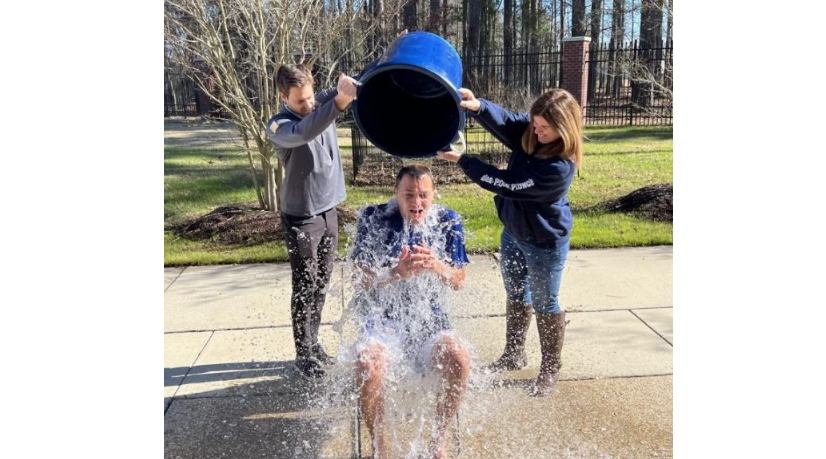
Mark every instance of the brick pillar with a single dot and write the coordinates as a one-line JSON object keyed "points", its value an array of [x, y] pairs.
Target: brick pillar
{"points": [[575, 68]]}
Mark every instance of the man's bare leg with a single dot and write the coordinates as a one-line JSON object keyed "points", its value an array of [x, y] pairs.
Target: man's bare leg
{"points": [[453, 362], [370, 370]]}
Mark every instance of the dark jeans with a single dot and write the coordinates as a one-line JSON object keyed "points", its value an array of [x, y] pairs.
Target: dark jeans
{"points": [[311, 242]]}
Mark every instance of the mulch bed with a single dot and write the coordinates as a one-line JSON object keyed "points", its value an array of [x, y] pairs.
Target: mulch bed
{"points": [[654, 202]]}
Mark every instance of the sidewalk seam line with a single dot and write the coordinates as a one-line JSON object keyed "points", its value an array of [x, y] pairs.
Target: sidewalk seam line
{"points": [[523, 380], [176, 278], [479, 316], [172, 399], [652, 328]]}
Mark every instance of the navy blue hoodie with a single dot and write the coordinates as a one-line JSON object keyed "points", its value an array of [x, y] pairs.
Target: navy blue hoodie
{"points": [[532, 193]]}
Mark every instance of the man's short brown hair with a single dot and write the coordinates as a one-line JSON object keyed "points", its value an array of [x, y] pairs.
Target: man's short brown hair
{"points": [[417, 171], [290, 75]]}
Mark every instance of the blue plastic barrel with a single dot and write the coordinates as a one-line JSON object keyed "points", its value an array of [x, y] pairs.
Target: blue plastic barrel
{"points": [[408, 104]]}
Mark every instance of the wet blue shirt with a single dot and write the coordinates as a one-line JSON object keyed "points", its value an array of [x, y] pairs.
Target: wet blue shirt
{"points": [[380, 237]]}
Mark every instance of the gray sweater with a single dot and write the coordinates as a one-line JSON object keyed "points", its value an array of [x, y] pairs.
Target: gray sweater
{"points": [[308, 150]]}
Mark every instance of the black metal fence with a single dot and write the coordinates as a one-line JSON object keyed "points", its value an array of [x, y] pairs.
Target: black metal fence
{"points": [[514, 80], [627, 85], [630, 85], [179, 95]]}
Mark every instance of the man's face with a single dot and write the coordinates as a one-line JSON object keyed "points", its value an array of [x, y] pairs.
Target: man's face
{"points": [[300, 100], [415, 197]]}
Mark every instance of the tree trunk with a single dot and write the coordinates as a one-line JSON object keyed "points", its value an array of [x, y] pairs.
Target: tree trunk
{"points": [[253, 172], [651, 23], [473, 39], [596, 22], [433, 23], [348, 32], [561, 20], [445, 18], [465, 47], [491, 45], [409, 12], [507, 30], [378, 17], [271, 185], [513, 25], [595, 71], [561, 35], [651, 26], [273, 173], [578, 23], [618, 39], [526, 23]]}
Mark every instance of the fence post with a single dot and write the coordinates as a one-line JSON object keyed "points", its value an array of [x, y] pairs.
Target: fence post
{"points": [[634, 88], [359, 155], [575, 69]]}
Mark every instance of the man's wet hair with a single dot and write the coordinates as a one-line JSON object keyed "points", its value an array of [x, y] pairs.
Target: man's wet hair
{"points": [[417, 171]]}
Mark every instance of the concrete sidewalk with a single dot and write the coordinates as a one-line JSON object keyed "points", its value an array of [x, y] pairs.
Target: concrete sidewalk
{"points": [[229, 387]]}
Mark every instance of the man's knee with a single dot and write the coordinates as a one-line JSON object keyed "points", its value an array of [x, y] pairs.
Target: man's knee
{"points": [[372, 362], [450, 354]]}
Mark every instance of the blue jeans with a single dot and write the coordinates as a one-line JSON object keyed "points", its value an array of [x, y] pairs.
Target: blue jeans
{"points": [[532, 274]]}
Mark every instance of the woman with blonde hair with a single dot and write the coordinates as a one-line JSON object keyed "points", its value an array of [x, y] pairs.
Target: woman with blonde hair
{"points": [[531, 200]]}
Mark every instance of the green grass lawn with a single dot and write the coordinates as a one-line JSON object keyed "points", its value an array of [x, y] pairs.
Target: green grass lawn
{"points": [[617, 161]]}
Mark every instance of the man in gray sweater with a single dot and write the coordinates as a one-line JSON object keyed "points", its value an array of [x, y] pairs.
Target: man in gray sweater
{"points": [[304, 135]]}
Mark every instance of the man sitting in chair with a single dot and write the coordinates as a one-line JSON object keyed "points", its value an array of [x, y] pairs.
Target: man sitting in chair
{"points": [[408, 252]]}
